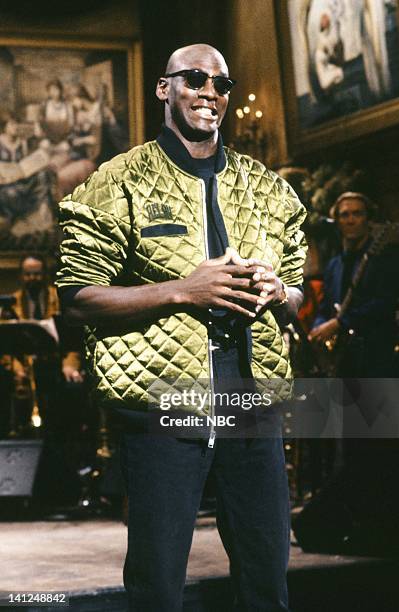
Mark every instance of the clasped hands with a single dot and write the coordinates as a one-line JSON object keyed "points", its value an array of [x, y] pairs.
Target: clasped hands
{"points": [[246, 286]]}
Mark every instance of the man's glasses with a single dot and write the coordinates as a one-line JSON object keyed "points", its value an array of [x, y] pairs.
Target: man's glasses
{"points": [[195, 79]]}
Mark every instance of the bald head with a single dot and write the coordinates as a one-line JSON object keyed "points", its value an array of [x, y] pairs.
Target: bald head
{"points": [[195, 110], [185, 57]]}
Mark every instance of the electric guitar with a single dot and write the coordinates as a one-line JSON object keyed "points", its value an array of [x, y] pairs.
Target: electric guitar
{"points": [[328, 356]]}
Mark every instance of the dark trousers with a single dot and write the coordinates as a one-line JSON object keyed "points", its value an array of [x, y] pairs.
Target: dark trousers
{"points": [[165, 478]]}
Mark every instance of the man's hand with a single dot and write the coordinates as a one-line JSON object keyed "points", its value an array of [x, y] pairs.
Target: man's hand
{"points": [[229, 282], [270, 287], [71, 374], [325, 331], [222, 282]]}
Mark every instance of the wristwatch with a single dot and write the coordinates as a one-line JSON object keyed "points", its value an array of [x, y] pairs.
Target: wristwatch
{"points": [[284, 299]]}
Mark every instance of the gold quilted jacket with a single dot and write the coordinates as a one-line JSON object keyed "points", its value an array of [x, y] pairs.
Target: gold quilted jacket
{"points": [[141, 219]]}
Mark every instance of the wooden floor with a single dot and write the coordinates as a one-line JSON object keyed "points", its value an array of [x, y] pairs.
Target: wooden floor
{"points": [[86, 557]]}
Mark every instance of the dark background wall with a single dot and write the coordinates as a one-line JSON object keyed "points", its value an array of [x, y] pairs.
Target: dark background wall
{"points": [[70, 18]]}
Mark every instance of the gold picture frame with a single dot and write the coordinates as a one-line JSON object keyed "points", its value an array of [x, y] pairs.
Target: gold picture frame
{"points": [[332, 91], [66, 106]]}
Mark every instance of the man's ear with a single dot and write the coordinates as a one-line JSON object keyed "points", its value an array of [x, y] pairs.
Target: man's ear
{"points": [[162, 89]]}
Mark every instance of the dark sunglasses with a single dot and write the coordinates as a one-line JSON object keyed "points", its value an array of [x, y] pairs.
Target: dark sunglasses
{"points": [[195, 79]]}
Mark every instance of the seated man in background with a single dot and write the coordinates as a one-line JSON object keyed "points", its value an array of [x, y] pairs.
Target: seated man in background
{"points": [[58, 376], [37, 299]]}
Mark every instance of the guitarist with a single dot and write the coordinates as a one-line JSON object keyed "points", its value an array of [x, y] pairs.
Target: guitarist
{"points": [[368, 324], [357, 505]]}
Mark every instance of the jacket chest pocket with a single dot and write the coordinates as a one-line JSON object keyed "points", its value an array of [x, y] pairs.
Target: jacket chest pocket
{"points": [[167, 250]]}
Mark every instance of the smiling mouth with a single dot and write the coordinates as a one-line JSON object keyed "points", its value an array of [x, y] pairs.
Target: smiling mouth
{"points": [[205, 111]]}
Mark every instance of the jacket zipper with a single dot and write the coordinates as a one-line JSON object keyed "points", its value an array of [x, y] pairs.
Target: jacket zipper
{"points": [[212, 433]]}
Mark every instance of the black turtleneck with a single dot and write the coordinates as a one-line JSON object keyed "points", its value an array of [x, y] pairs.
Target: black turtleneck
{"points": [[205, 169]]}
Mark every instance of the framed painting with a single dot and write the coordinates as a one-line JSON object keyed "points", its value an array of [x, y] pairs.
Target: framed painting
{"points": [[340, 61], [65, 107]]}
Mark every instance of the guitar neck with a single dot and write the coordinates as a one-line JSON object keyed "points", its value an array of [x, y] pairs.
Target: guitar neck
{"points": [[346, 302], [386, 234]]}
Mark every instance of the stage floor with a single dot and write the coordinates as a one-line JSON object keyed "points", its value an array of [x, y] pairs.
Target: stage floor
{"points": [[87, 556]]}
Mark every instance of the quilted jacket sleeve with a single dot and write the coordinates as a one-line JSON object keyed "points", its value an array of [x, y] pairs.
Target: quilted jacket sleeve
{"points": [[94, 221], [294, 253]]}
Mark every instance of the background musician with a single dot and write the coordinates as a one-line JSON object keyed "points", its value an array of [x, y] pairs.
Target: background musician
{"points": [[59, 382], [37, 299], [347, 514], [369, 321]]}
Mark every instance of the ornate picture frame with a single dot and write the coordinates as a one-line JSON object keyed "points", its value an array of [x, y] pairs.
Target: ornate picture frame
{"points": [[340, 69], [66, 106]]}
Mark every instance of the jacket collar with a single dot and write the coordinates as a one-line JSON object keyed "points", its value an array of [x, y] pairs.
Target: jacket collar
{"points": [[177, 152]]}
